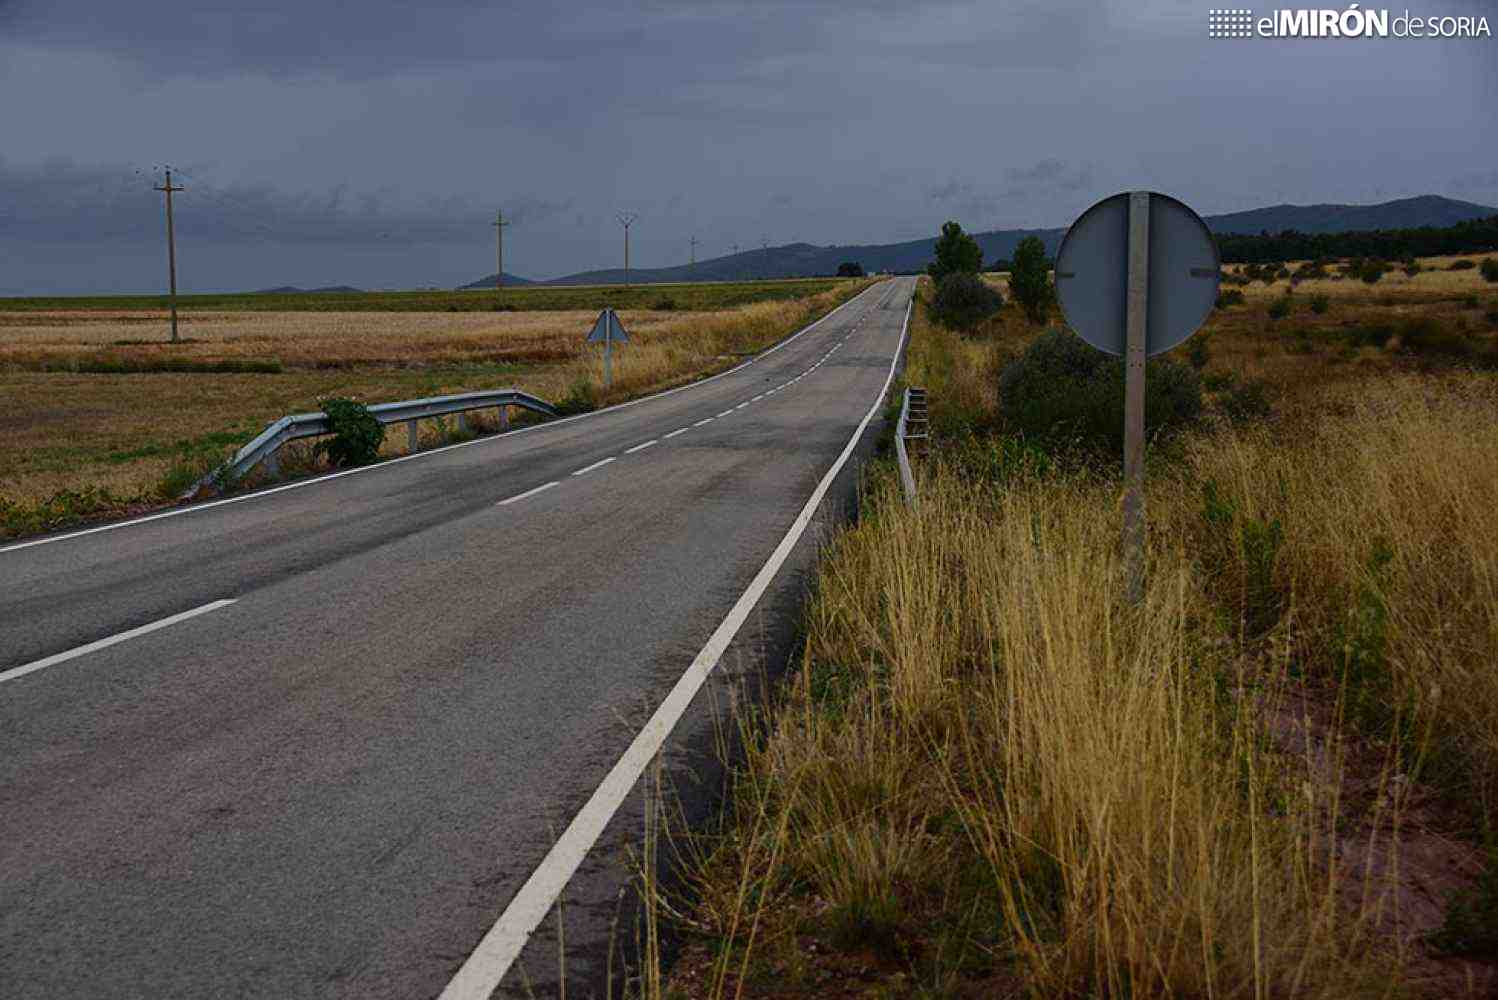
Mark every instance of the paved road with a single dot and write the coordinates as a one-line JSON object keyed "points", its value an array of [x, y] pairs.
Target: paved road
{"points": [[337, 783]]}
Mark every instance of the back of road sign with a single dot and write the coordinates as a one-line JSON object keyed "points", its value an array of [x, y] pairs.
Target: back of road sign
{"points": [[608, 329], [1092, 274]]}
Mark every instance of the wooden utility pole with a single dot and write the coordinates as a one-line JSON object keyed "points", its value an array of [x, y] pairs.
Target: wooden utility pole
{"points": [[171, 247], [499, 255], [694, 251], [627, 219]]}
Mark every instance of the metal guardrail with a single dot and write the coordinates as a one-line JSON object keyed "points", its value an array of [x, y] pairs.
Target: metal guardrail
{"points": [[305, 425], [912, 426]]}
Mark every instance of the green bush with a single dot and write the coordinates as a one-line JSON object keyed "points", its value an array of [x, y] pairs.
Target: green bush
{"points": [[1230, 297], [1320, 304], [1424, 336], [1217, 381], [1490, 269], [357, 434], [1200, 352], [664, 304], [1066, 395], [1376, 335], [962, 301], [581, 397], [1492, 317], [1462, 265], [1279, 308], [1249, 400]]}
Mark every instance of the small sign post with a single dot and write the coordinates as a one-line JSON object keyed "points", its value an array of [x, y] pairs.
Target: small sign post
{"points": [[1136, 275], [608, 330]]}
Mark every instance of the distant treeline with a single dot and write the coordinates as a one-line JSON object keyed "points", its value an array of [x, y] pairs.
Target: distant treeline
{"points": [[1476, 236]]}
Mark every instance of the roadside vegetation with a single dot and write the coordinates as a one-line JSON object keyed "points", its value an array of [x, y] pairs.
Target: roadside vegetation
{"points": [[1276, 777], [100, 419]]}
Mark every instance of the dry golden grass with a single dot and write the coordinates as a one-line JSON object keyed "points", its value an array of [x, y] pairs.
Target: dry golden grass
{"points": [[990, 779], [122, 431]]}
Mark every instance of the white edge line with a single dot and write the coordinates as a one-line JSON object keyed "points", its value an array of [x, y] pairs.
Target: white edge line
{"points": [[501, 945], [725, 413], [596, 465], [387, 463], [641, 447], [679, 430], [56, 658], [527, 494], [704, 420]]}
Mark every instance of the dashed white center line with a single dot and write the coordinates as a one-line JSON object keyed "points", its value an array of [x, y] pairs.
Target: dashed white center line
{"points": [[667, 437], [527, 494], [726, 412], [741, 405], [756, 399], [77, 651], [640, 447], [704, 420], [596, 465]]}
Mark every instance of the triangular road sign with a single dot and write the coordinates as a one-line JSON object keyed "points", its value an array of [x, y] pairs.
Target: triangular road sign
{"points": [[608, 328]]}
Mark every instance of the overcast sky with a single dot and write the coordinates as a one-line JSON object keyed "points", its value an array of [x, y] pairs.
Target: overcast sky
{"points": [[369, 142]]}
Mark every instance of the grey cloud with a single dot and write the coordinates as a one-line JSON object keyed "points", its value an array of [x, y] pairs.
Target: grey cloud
{"points": [[60, 201]]}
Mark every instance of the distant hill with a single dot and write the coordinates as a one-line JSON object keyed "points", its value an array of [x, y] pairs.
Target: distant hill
{"points": [[294, 290], [805, 260], [488, 282]]}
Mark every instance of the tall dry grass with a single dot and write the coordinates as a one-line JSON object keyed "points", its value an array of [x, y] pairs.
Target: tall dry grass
{"points": [[1387, 504], [987, 766]]}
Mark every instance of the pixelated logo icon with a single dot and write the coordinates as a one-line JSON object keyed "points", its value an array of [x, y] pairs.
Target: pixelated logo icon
{"points": [[1230, 23]]}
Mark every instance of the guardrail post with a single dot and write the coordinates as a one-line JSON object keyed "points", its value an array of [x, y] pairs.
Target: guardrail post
{"points": [[272, 464], [413, 438], [462, 422], [504, 417]]}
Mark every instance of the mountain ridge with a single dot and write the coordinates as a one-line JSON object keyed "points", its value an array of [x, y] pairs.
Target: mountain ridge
{"points": [[804, 260]]}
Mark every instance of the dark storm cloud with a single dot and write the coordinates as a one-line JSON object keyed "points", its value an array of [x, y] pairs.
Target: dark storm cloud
{"points": [[60, 201]]}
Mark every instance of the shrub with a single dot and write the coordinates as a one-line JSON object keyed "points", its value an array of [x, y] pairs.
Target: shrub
{"points": [[1217, 381], [1249, 400], [1320, 304], [1231, 297], [962, 301], [357, 434], [1492, 317], [1490, 269], [1371, 272], [1412, 268], [1200, 352], [1065, 394], [665, 304], [1279, 308], [1462, 265], [850, 269], [1030, 279], [1424, 336], [581, 397], [1376, 335], [1471, 301]]}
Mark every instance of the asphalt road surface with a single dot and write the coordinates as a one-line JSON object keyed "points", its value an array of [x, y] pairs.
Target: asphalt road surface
{"points": [[325, 740]]}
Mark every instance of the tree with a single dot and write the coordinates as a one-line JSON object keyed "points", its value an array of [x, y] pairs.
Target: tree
{"points": [[956, 253], [850, 269], [962, 301], [1030, 279]]}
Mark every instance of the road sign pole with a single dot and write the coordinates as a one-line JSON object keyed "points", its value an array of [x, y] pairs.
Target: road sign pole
{"points": [[608, 346], [1137, 324]]}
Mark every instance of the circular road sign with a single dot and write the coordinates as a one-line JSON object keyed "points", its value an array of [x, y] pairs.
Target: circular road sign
{"points": [[1092, 274]]}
